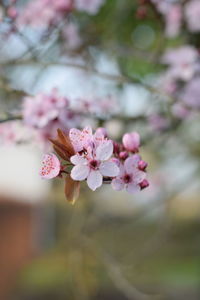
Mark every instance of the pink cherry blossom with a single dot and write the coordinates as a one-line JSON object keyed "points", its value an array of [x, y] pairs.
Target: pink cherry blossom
{"points": [[42, 13], [173, 20], [89, 6], [94, 165], [130, 176], [50, 166], [182, 61], [191, 93], [39, 110], [82, 139], [192, 14], [131, 141]]}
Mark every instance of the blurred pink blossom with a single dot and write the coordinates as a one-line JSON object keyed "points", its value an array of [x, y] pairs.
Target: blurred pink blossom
{"points": [[191, 93], [44, 12], [39, 110], [89, 6], [173, 20], [182, 61], [192, 14]]}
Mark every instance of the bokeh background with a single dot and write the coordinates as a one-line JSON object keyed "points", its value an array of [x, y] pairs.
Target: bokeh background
{"points": [[109, 245]]}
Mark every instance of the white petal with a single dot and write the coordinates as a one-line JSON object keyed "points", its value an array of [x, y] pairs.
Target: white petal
{"points": [[139, 176], [109, 168], [75, 137], [87, 130], [117, 184], [78, 160], [132, 188], [104, 150], [131, 163], [94, 180], [80, 172]]}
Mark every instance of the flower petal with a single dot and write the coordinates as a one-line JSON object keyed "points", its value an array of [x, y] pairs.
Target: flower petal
{"points": [[87, 130], [80, 172], [132, 188], [109, 168], [75, 137], [78, 160], [139, 176], [131, 163], [50, 166], [94, 180], [117, 184], [104, 150]]}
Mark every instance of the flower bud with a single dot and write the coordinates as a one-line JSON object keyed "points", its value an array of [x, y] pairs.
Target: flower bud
{"points": [[142, 165], [102, 131], [131, 141], [123, 155], [144, 184]]}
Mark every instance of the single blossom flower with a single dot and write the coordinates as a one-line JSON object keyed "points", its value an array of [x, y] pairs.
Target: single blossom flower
{"points": [[94, 165], [130, 176], [50, 166], [131, 141], [82, 139]]}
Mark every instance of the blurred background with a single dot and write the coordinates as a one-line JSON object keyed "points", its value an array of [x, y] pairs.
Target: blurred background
{"points": [[127, 66]]}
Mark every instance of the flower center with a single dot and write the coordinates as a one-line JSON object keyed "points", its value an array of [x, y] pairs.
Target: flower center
{"points": [[94, 164], [127, 178]]}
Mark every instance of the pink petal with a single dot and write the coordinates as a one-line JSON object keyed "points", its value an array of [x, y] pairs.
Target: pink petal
{"points": [[131, 163], [117, 184], [87, 130], [80, 172], [51, 166], [75, 136], [132, 188], [94, 180], [104, 150], [78, 160], [139, 176], [109, 168]]}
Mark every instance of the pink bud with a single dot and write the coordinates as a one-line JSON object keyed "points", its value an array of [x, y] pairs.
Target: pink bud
{"points": [[123, 155], [144, 184], [131, 141], [142, 165], [12, 12], [102, 131]]}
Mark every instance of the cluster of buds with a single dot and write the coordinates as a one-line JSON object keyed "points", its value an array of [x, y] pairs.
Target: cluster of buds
{"points": [[96, 159]]}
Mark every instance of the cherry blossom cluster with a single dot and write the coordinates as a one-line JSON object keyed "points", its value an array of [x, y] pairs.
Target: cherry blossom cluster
{"points": [[44, 113], [182, 79], [176, 13], [50, 12], [96, 159]]}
